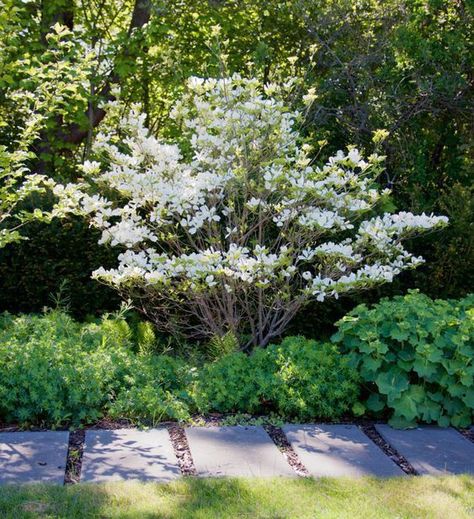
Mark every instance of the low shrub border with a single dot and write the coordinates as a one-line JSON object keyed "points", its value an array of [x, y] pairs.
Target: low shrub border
{"points": [[55, 372], [409, 359]]}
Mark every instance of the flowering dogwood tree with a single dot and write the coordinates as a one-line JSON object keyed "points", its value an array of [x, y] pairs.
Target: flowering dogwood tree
{"points": [[235, 230]]}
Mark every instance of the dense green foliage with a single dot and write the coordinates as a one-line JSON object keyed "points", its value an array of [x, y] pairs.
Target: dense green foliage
{"points": [[416, 356], [412, 358], [298, 378], [55, 371], [58, 257], [154, 389]]}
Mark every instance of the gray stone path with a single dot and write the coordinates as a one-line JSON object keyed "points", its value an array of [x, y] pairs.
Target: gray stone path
{"points": [[248, 451], [236, 451], [30, 457], [126, 454], [339, 450], [432, 450]]}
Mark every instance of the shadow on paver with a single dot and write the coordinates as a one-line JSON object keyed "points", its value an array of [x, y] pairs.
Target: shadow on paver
{"points": [[33, 457], [432, 450], [236, 451], [339, 450], [128, 454]]}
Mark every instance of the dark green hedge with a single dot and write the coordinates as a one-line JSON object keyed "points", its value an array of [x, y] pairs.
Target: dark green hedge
{"points": [[32, 271]]}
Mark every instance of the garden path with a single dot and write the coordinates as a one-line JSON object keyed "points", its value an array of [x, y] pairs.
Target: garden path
{"points": [[323, 449]]}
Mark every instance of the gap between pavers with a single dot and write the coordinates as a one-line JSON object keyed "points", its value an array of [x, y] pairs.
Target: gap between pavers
{"points": [[236, 451], [128, 454], [33, 457], [339, 450], [432, 450]]}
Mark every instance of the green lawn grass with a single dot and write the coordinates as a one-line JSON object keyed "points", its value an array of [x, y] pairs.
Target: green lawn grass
{"points": [[409, 497]]}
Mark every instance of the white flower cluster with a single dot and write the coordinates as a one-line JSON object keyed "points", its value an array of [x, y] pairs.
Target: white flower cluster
{"points": [[382, 231], [240, 209], [209, 267]]}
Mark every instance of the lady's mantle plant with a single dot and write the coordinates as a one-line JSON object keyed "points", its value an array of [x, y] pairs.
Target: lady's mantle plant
{"points": [[415, 356], [235, 229]]}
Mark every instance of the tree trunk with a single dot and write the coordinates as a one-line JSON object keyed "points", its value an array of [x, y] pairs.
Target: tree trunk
{"points": [[62, 11]]}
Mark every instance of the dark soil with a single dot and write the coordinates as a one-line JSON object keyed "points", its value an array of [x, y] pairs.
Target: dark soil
{"points": [[281, 441], [181, 449], [468, 433], [107, 423], [372, 433], [74, 457]]}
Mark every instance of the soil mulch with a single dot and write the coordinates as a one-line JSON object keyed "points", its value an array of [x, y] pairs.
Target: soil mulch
{"points": [[281, 441], [107, 423], [468, 433], [74, 457], [402, 462], [182, 450]]}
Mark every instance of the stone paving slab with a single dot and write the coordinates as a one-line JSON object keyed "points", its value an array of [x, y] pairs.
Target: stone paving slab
{"points": [[128, 454], [339, 450], [33, 457], [432, 450], [236, 451]]}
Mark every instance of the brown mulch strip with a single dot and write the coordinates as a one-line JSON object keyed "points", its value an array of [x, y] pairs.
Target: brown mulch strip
{"points": [[181, 450], [281, 441], [108, 423], [74, 457], [371, 432], [9, 428], [468, 434]]}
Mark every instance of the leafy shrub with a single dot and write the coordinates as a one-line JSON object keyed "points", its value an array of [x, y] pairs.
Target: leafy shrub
{"points": [[416, 354], [54, 370], [219, 346], [311, 379], [298, 378], [234, 383], [154, 389]]}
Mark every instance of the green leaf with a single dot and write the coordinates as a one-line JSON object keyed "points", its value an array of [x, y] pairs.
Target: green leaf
{"points": [[456, 390], [461, 420], [375, 403], [405, 365], [406, 354], [358, 409], [444, 421], [392, 382], [468, 399], [371, 364], [406, 406], [430, 411], [400, 422], [398, 334], [424, 368]]}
